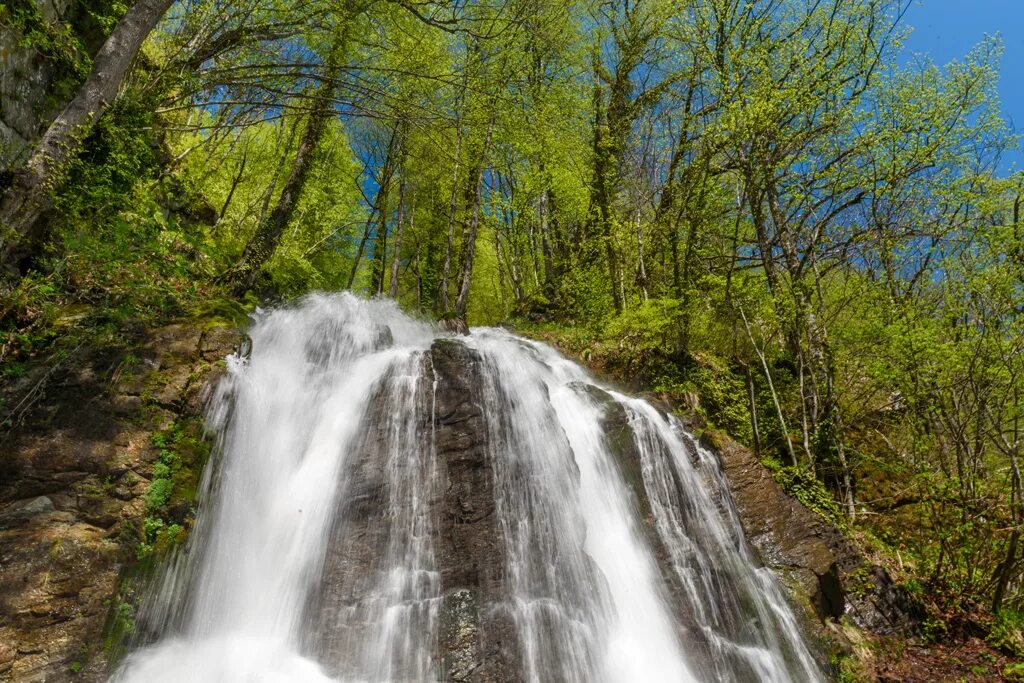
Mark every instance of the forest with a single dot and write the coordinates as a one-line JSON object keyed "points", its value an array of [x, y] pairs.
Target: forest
{"points": [[764, 211]]}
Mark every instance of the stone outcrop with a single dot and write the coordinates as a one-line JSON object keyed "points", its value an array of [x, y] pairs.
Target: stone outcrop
{"points": [[74, 472], [803, 547], [79, 463], [478, 636], [477, 639]]}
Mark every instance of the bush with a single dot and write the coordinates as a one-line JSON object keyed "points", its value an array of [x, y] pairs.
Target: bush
{"points": [[1007, 633]]}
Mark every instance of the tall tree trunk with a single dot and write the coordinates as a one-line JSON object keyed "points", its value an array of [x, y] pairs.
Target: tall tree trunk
{"points": [[1004, 572], [548, 252], [754, 426], [31, 192], [474, 226], [755, 198], [446, 271], [380, 248], [397, 257], [268, 234], [236, 180], [378, 205], [641, 275], [771, 386], [605, 161], [380, 244]]}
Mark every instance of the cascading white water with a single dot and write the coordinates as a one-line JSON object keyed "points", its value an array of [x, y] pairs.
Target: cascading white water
{"points": [[315, 555], [583, 585]]}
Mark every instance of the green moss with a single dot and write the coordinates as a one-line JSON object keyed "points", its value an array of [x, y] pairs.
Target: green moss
{"points": [[806, 488], [218, 311], [1014, 672], [121, 621], [1007, 632], [174, 485], [849, 670], [182, 455]]}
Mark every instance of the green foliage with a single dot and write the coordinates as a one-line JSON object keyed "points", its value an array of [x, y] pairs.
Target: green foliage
{"points": [[121, 623], [809, 490], [1014, 671], [848, 670], [14, 370], [645, 328], [723, 397], [57, 42], [65, 42], [182, 454], [1006, 633], [934, 630], [159, 493]]}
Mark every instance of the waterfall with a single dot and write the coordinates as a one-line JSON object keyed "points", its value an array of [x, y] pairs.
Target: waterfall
{"points": [[391, 503]]}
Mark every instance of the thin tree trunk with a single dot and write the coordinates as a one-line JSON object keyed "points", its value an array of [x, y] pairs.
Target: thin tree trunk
{"points": [[641, 267], [397, 257], [419, 276], [31, 192], [375, 208], [753, 410], [453, 208], [1005, 569], [235, 182], [771, 387], [380, 249], [544, 209], [805, 427], [380, 243], [268, 234], [474, 225]]}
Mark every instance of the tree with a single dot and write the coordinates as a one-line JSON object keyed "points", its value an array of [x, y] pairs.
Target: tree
{"points": [[30, 195], [264, 241]]}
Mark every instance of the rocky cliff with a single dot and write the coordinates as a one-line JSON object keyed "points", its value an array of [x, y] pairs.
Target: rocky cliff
{"points": [[81, 458]]}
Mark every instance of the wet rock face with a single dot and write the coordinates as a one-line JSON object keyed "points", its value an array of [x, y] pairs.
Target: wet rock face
{"points": [[621, 444], [476, 639], [72, 476], [479, 637], [798, 543]]}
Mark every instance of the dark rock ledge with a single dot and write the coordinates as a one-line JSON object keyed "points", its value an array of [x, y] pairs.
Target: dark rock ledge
{"points": [[820, 565]]}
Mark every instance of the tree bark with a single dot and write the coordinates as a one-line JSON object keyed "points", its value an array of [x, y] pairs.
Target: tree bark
{"points": [[1004, 572], [397, 257], [379, 204], [452, 210], [474, 226], [268, 234], [31, 192]]}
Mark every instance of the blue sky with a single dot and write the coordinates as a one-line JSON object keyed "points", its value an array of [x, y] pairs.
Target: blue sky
{"points": [[947, 29]]}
